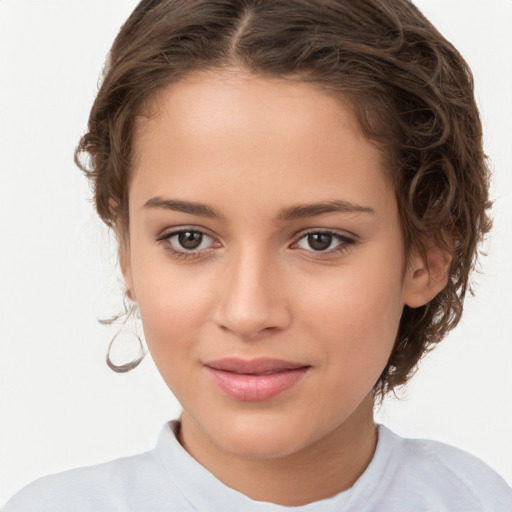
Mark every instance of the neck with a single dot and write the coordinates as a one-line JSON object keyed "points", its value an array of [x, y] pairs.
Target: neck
{"points": [[320, 470]]}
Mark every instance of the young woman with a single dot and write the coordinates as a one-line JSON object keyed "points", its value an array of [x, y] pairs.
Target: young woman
{"points": [[299, 190]]}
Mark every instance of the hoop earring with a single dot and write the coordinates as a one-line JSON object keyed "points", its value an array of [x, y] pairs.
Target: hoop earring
{"points": [[126, 334]]}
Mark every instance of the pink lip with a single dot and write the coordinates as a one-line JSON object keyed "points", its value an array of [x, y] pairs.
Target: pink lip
{"points": [[254, 380]]}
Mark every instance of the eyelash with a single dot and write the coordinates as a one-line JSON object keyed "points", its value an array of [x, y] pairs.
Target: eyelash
{"points": [[184, 254], [345, 243]]}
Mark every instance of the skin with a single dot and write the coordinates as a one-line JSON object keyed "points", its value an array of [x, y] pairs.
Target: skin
{"points": [[251, 148]]}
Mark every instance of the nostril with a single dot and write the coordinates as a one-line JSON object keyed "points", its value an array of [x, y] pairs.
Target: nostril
{"points": [[248, 330], [251, 301]]}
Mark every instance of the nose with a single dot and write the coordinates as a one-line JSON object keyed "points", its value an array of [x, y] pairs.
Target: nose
{"points": [[253, 299]]}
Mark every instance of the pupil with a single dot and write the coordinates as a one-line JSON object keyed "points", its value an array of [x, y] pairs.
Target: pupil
{"points": [[190, 239], [319, 241]]}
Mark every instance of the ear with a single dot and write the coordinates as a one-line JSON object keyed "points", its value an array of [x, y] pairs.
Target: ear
{"points": [[126, 269], [426, 275]]}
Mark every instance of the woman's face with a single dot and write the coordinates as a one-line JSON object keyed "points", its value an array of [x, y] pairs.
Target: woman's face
{"points": [[266, 256]]}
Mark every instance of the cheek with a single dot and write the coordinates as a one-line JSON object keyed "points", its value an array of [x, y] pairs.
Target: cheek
{"points": [[171, 306], [357, 313], [171, 317]]}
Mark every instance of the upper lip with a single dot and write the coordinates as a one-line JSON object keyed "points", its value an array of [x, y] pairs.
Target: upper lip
{"points": [[253, 366]]}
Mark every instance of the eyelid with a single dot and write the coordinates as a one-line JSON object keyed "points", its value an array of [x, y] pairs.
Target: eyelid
{"points": [[165, 236], [176, 230], [347, 235], [345, 239]]}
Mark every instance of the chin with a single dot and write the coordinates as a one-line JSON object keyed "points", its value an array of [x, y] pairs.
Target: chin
{"points": [[261, 444], [261, 436]]}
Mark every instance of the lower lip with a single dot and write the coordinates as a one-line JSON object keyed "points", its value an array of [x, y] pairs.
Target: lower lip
{"points": [[255, 388]]}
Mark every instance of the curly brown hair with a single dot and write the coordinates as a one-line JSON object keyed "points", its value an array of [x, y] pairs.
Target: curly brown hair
{"points": [[411, 90]]}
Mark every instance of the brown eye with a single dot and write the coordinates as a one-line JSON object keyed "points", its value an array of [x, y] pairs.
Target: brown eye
{"points": [[319, 241], [324, 242], [187, 243], [190, 240]]}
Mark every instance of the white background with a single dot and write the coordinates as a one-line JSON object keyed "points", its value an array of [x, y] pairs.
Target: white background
{"points": [[60, 405]]}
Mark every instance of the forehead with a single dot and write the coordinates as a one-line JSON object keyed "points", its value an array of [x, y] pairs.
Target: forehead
{"points": [[205, 102], [262, 138]]}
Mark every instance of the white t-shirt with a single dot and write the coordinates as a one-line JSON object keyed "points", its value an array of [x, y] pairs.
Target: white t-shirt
{"points": [[405, 475]]}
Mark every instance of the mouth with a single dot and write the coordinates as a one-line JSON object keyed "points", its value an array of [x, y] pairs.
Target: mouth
{"points": [[255, 380]]}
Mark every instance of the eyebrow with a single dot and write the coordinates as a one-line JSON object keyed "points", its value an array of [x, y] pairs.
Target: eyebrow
{"points": [[191, 207], [310, 210], [290, 213]]}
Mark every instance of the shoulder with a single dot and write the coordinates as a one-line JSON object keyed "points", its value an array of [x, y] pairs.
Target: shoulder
{"points": [[451, 478], [92, 488], [135, 483]]}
